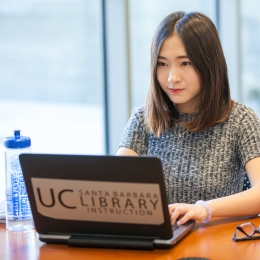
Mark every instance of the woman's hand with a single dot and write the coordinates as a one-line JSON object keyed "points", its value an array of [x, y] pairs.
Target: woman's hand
{"points": [[183, 212]]}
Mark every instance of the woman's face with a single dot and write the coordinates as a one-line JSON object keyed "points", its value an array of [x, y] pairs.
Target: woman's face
{"points": [[176, 75]]}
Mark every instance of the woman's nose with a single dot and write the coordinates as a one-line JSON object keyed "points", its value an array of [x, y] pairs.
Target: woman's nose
{"points": [[173, 76]]}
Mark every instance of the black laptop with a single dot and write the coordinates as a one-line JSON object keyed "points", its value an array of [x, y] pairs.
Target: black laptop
{"points": [[100, 201]]}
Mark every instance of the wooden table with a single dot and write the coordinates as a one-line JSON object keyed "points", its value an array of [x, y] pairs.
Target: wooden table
{"points": [[212, 240]]}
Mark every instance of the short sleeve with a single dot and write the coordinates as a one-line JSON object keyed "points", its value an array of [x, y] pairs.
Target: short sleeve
{"points": [[135, 136], [248, 131]]}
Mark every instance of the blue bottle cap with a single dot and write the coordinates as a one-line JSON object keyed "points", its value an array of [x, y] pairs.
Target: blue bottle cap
{"points": [[17, 141]]}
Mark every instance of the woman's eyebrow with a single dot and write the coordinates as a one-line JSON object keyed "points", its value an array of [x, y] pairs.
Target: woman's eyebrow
{"points": [[178, 57], [182, 57], [161, 57]]}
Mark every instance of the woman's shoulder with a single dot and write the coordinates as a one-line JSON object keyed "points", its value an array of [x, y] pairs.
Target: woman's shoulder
{"points": [[137, 118], [243, 115], [140, 109], [240, 110], [139, 113]]}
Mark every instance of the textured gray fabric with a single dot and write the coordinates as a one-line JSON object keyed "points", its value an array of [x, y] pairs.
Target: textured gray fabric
{"points": [[204, 165]]}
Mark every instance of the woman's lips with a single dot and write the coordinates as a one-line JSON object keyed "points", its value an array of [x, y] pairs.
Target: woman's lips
{"points": [[176, 90]]}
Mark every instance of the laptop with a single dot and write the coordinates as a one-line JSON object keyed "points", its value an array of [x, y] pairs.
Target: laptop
{"points": [[100, 201]]}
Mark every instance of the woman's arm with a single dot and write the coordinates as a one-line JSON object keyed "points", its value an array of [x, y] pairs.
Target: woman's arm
{"points": [[246, 203], [126, 151]]}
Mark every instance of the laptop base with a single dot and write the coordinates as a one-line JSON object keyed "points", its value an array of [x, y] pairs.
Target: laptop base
{"points": [[123, 243]]}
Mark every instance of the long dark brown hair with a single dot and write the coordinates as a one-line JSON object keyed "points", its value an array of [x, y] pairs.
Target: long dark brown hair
{"points": [[201, 41]]}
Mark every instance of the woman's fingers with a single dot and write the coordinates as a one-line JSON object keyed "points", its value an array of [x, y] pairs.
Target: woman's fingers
{"points": [[185, 218], [184, 212], [172, 207], [177, 211]]}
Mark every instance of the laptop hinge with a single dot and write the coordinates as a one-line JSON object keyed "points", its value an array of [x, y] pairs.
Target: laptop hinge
{"points": [[100, 242]]}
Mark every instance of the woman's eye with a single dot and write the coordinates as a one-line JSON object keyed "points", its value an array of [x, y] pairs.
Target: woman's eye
{"points": [[161, 64], [185, 63]]}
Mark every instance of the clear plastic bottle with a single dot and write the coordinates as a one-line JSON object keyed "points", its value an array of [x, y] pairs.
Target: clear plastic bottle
{"points": [[18, 210]]}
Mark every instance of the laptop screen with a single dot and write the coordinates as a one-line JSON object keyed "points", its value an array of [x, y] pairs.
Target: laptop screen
{"points": [[99, 195]]}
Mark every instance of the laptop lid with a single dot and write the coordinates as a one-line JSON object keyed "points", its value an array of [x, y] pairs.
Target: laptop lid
{"points": [[95, 199]]}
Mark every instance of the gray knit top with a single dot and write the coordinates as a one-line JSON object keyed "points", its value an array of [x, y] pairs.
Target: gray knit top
{"points": [[202, 165]]}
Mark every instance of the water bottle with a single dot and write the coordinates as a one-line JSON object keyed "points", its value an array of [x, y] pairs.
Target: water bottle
{"points": [[18, 210]]}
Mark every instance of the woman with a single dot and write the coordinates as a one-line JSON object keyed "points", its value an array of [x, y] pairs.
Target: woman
{"points": [[205, 140]]}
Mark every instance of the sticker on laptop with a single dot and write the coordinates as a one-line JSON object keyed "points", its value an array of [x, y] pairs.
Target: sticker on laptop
{"points": [[117, 202]]}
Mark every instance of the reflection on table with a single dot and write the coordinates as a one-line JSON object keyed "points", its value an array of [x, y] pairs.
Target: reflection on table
{"points": [[212, 240]]}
